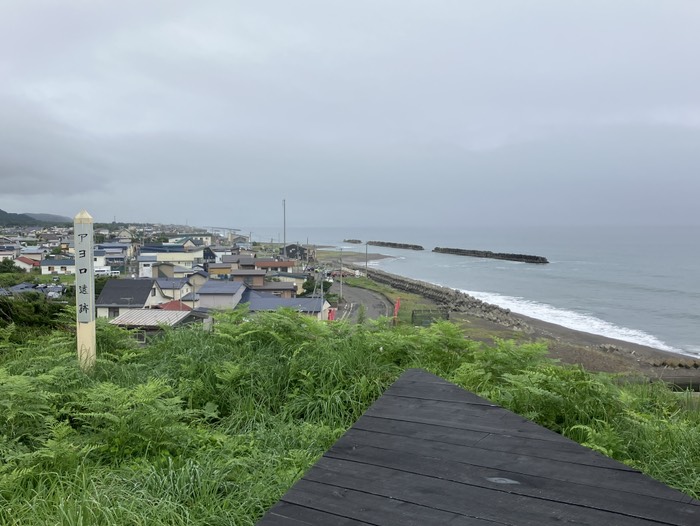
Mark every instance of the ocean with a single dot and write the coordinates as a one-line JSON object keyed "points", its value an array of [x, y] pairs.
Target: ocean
{"points": [[638, 284]]}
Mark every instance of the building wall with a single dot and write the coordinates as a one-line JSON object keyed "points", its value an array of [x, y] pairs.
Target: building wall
{"points": [[156, 297], [222, 301], [57, 269]]}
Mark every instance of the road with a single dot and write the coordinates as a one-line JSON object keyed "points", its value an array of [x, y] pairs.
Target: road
{"points": [[375, 304]]}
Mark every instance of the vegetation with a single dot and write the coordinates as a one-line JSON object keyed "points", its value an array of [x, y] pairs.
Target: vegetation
{"points": [[8, 266], [409, 302], [310, 287], [10, 219], [212, 427]]}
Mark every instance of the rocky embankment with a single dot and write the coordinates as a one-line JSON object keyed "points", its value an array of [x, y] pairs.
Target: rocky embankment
{"points": [[395, 245], [353, 241], [450, 299], [524, 258]]}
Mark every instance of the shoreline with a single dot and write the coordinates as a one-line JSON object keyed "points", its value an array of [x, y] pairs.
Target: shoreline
{"points": [[593, 351]]}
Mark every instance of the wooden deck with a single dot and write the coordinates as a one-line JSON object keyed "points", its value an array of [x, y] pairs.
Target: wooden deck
{"points": [[430, 453]]}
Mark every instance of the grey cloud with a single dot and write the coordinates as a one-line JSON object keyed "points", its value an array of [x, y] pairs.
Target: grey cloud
{"points": [[39, 155], [549, 110]]}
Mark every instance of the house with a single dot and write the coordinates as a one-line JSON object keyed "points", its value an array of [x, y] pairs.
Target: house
{"points": [[67, 266], [174, 305], [298, 278], [57, 266], [199, 239], [26, 263], [175, 288], [169, 270], [99, 258], [6, 254], [280, 289], [274, 265], [198, 279], [220, 252], [10, 251], [36, 253], [21, 288], [148, 322], [126, 249], [315, 307], [239, 262], [217, 294], [295, 251], [121, 295], [219, 270], [124, 236], [174, 254], [249, 277]]}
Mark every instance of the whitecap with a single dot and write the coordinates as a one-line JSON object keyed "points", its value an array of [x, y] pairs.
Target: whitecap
{"points": [[574, 320]]}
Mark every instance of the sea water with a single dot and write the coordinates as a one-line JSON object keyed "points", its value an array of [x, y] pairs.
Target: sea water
{"points": [[638, 284]]}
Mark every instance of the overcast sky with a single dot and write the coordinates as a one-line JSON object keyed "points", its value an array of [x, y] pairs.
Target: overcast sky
{"points": [[356, 112]]}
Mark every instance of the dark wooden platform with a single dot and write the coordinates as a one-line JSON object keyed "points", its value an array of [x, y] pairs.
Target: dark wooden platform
{"points": [[430, 453]]}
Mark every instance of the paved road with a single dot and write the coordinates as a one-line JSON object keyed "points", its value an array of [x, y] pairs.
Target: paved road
{"points": [[375, 304]]}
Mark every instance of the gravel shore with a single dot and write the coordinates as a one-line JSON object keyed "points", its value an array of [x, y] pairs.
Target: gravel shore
{"points": [[593, 352]]}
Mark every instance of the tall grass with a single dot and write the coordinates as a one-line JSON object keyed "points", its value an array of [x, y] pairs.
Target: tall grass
{"points": [[212, 427]]}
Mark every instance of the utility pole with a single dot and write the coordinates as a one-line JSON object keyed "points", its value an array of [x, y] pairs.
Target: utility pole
{"points": [[341, 276], [366, 275], [284, 213]]}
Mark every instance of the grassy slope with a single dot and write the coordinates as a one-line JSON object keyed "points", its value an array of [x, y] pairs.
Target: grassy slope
{"points": [[212, 428]]}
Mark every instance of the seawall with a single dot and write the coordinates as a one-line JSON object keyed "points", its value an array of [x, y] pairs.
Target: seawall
{"points": [[449, 298], [524, 258]]}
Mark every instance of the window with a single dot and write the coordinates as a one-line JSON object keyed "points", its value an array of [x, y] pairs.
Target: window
{"points": [[113, 312], [153, 292]]}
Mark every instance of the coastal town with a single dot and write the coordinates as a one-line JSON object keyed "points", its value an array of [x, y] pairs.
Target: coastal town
{"points": [[155, 275]]}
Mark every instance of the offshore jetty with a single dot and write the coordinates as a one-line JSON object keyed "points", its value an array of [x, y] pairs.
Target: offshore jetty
{"points": [[395, 245], [524, 258]]}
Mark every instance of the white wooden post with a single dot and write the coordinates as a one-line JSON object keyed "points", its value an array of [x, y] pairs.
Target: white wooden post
{"points": [[85, 289]]}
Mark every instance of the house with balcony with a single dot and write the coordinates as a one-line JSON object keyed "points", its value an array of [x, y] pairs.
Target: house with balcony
{"points": [[274, 265]]}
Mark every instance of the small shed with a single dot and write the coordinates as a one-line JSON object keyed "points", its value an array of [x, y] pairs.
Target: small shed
{"points": [[148, 322]]}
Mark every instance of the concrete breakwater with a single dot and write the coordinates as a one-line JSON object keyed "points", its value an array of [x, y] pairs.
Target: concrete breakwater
{"points": [[524, 258], [395, 245], [450, 299]]}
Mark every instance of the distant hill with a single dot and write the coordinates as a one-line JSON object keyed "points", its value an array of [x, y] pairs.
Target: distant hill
{"points": [[10, 219], [49, 218]]}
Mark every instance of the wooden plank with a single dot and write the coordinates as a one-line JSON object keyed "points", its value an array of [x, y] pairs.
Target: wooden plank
{"points": [[378, 510], [565, 450], [459, 416], [287, 514], [461, 499], [428, 453], [613, 499], [437, 391], [563, 471]]}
